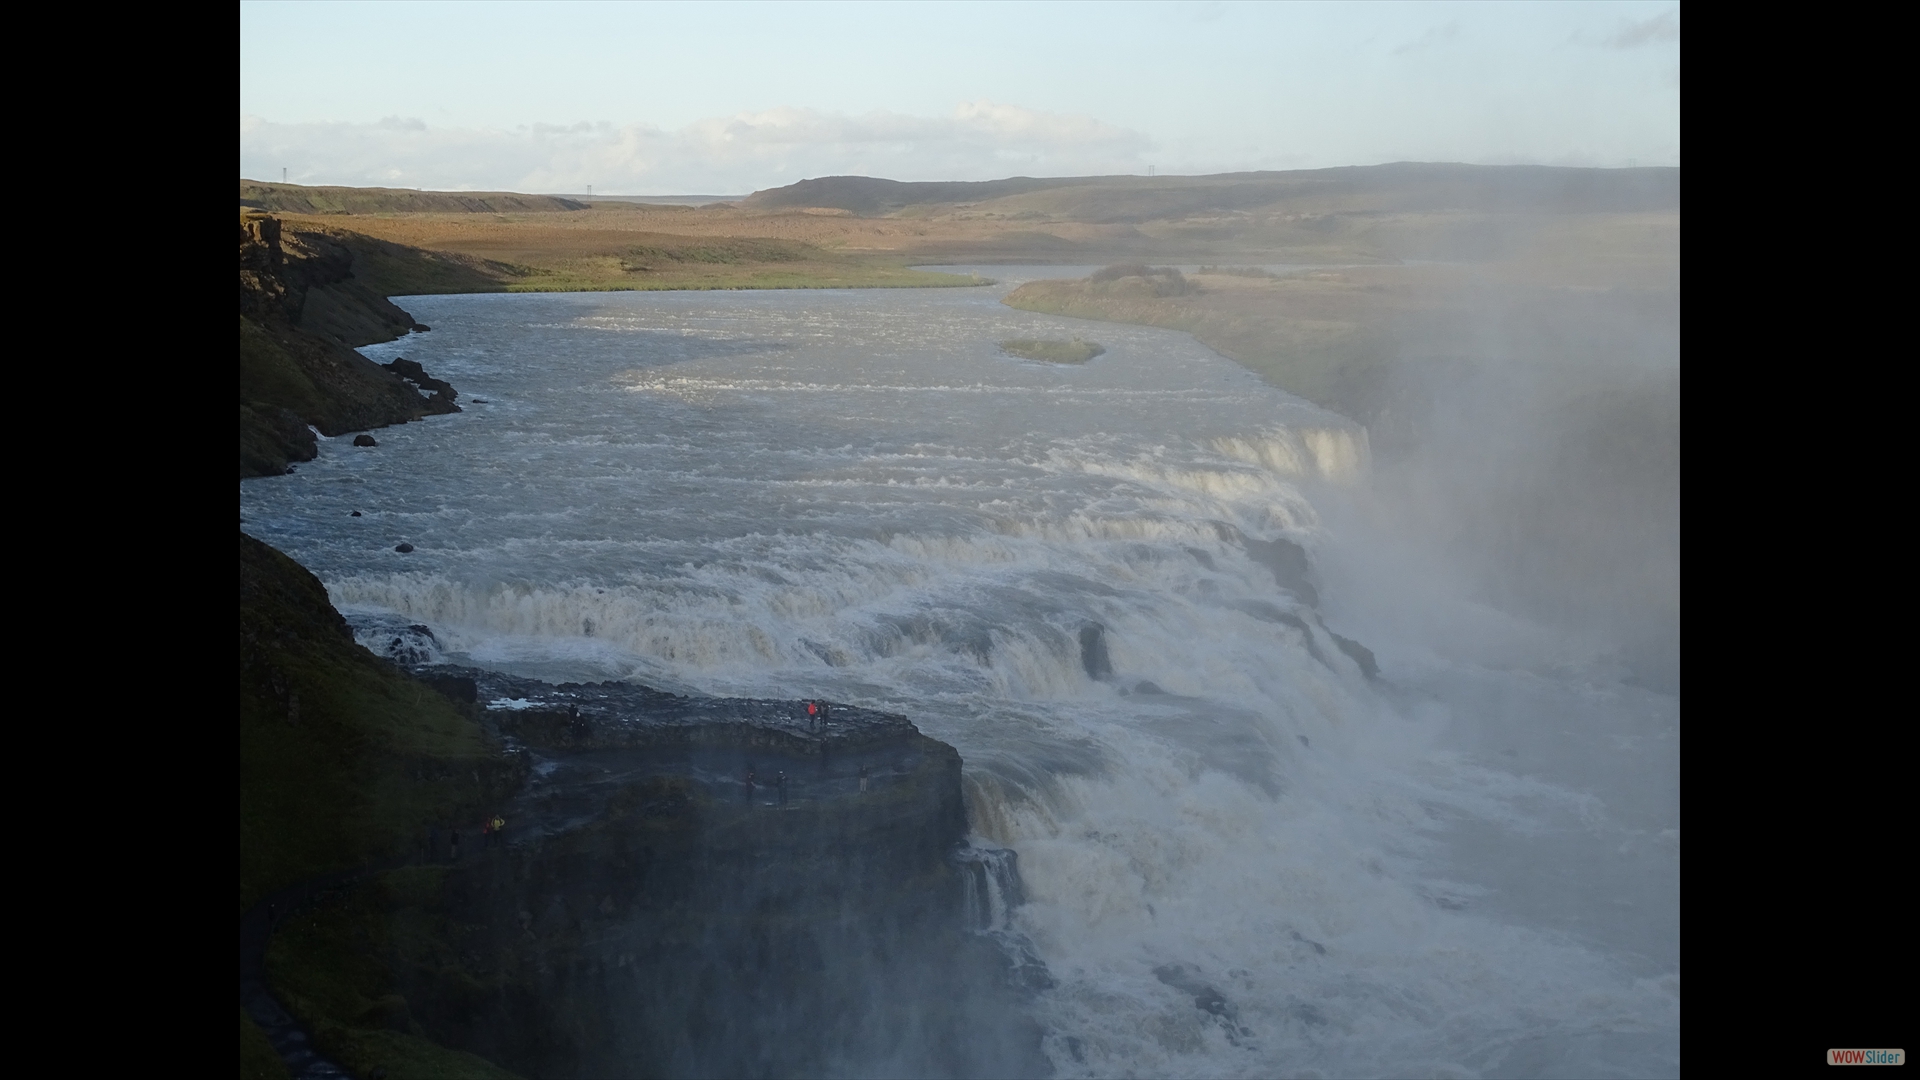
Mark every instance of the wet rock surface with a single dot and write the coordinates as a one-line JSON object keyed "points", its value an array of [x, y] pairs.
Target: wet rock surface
{"points": [[1189, 979], [439, 393], [660, 902]]}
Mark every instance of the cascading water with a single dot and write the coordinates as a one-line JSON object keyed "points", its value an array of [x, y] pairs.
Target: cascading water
{"points": [[991, 878], [1125, 591]]}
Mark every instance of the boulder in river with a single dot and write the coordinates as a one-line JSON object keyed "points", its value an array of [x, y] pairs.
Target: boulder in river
{"points": [[1093, 651], [403, 548], [1359, 653], [364, 440]]}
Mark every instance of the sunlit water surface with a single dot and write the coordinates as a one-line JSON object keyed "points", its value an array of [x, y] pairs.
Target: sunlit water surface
{"points": [[1467, 868]]}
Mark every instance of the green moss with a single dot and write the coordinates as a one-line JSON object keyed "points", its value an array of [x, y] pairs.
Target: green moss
{"points": [[1054, 351], [268, 375], [325, 965], [258, 1059], [330, 966], [344, 761]]}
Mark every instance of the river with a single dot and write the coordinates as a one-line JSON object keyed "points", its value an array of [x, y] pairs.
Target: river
{"points": [[1468, 866]]}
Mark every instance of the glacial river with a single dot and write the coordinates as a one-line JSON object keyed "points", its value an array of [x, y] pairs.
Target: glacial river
{"points": [[1469, 866]]}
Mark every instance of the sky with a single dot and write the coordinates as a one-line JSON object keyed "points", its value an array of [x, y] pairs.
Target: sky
{"points": [[727, 98]]}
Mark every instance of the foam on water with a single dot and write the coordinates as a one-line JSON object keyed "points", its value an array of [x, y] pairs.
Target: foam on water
{"points": [[1238, 855]]}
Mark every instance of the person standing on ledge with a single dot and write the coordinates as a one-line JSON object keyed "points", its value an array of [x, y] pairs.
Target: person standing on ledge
{"points": [[781, 782], [749, 787], [813, 715]]}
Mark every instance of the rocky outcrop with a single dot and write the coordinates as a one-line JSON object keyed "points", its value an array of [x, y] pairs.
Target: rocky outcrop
{"points": [[439, 393], [684, 886], [706, 886], [302, 312], [1293, 571], [341, 753]]}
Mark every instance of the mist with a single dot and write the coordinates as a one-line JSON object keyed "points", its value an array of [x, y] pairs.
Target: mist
{"points": [[1541, 464]]}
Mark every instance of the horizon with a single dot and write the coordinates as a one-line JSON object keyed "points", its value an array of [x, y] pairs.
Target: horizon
{"points": [[514, 97], [744, 194]]}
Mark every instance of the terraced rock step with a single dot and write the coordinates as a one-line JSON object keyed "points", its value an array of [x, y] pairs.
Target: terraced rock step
{"points": [[649, 910]]}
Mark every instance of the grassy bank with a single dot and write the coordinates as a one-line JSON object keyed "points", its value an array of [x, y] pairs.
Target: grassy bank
{"points": [[344, 764], [411, 255], [344, 761], [1307, 337], [332, 965], [1372, 341]]}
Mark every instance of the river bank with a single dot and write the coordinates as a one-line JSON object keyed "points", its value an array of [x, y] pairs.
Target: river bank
{"points": [[303, 312]]}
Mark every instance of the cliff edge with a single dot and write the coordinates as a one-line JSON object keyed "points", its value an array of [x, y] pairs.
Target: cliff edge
{"points": [[684, 885], [302, 314]]}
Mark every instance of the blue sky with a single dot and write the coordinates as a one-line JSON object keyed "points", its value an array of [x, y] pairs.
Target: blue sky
{"points": [[719, 98]]}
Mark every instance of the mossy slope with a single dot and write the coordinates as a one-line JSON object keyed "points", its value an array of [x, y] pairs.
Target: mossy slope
{"points": [[344, 761]]}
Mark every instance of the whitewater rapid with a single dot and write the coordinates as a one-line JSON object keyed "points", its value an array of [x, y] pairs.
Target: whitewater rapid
{"points": [[1466, 867]]}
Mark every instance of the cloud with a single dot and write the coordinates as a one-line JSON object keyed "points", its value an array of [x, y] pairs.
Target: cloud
{"points": [[1434, 36], [1631, 35], [719, 155]]}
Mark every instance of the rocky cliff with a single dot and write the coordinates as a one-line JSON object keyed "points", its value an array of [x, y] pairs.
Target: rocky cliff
{"points": [[685, 885], [302, 313]]}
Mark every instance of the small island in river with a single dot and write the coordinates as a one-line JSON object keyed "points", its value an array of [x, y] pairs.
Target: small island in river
{"points": [[1053, 350]]}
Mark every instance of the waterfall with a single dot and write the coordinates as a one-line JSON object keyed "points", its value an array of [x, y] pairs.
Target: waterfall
{"points": [[991, 880]]}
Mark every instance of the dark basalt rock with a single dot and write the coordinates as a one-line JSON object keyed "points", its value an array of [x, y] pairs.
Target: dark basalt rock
{"points": [[1288, 563], [649, 912], [1093, 651], [440, 394], [271, 438], [302, 314], [640, 914], [1205, 998], [403, 548], [1360, 653], [413, 645], [457, 688], [364, 440], [356, 513]]}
